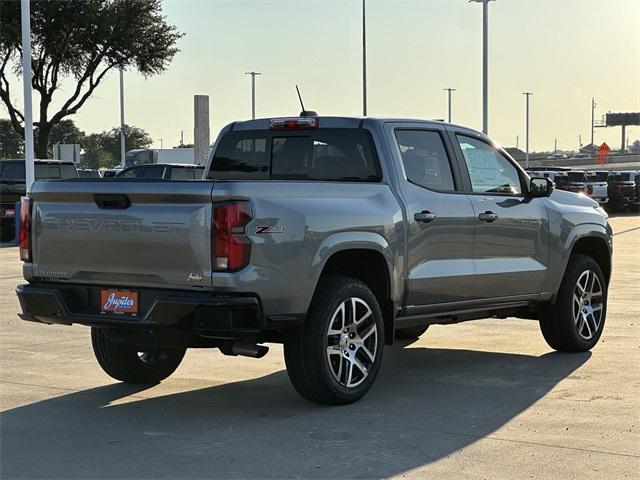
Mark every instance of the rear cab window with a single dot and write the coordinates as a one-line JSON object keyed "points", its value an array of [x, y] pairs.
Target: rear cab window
{"points": [[42, 171], [330, 154], [576, 177]]}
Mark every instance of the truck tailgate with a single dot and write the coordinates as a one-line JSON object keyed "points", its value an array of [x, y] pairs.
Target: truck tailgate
{"points": [[123, 232]]}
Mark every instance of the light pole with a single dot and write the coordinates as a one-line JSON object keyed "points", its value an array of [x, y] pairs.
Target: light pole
{"points": [[526, 157], [122, 135], [26, 82], [253, 92], [449, 90], [364, 58], [593, 114], [485, 64]]}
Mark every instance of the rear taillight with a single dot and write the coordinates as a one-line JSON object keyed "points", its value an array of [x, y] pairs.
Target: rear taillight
{"points": [[230, 247], [589, 189], [25, 229]]}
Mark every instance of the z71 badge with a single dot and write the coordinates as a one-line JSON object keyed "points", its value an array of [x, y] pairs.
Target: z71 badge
{"points": [[263, 230]]}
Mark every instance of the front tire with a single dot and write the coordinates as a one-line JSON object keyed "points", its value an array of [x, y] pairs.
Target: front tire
{"points": [[335, 357], [576, 321], [132, 365]]}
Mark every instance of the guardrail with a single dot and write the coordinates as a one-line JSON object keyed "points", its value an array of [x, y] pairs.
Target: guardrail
{"points": [[570, 162]]}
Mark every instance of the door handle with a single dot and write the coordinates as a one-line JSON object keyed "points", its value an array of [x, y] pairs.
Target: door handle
{"points": [[488, 217], [424, 216]]}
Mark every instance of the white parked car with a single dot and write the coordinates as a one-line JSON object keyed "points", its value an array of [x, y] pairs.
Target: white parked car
{"points": [[596, 186]]}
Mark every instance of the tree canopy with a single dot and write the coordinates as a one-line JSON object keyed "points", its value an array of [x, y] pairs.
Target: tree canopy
{"points": [[80, 41]]}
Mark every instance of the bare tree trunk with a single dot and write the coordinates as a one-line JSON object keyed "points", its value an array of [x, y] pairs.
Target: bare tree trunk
{"points": [[42, 142]]}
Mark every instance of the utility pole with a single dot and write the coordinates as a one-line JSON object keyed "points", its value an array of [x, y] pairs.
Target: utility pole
{"points": [[555, 146], [526, 158], [579, 142], [181, 137], [25, 14], [485, 64], [122, 135], [364, 58], [517, 141], [593, 115], [253, 92], [160, 144], [449, 90]]}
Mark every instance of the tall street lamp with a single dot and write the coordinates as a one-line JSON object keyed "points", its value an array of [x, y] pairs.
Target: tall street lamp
{"points": [[364, 58], [122, 135], [26, 82], [526, 158], [485, 61], [449, 90], [253, 92]]}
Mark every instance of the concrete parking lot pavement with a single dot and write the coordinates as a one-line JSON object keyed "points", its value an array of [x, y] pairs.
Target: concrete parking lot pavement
{"points": [[486, 399]]}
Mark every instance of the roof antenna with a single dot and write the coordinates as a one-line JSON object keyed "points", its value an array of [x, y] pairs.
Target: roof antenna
{"points": [[305, 113]]}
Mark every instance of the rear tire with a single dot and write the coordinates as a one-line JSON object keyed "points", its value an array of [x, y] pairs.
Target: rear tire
{"points": [[335, 357], [410, 333], [575, 322], [129, 364]]}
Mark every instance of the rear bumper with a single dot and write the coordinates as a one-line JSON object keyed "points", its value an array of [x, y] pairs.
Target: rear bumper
{"points": [[199, 314]]}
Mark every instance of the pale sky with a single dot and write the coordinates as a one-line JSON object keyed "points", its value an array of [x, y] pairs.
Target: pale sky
{"points": [[564, 51]]}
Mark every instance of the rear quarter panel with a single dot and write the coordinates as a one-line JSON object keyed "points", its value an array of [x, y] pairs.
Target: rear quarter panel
{"points": [[308, 222]]}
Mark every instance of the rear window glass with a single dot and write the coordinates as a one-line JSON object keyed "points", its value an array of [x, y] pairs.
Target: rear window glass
{"points": [[601, 176], [325, 154], [13, 171], [178, 173], [52, 171], [43, 171], [576, 176], [623, 177]]}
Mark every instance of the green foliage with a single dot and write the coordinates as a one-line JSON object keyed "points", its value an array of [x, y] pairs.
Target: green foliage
{"points": [[80, 41], [134, 138], [11, 144]]}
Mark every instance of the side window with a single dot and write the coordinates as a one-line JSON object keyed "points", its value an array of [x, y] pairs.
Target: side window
{"points": [[132, 173], [425, 159], [155, 171], [489, 170]]}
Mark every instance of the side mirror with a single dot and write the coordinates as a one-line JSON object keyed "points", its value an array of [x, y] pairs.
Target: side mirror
{"points": [[540, 187]]}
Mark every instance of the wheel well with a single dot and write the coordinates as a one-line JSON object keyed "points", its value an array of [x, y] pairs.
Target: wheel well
{"points": [[597, 249], [370, 267]]}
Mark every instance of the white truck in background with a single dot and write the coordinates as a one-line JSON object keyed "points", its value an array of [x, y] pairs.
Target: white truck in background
{"points": [[141, 156]]}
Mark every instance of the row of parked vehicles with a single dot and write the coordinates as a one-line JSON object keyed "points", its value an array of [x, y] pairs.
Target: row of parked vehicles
{"points": [[615, 190], [13, 184]]}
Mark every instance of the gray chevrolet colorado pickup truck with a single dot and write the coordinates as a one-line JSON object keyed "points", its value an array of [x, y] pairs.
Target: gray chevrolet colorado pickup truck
{"points": [[333, 236]]}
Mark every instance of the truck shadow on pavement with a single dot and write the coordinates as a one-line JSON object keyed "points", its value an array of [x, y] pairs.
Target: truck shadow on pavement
{"points": [[426, 404]]}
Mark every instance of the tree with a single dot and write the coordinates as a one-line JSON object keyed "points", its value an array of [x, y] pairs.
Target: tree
{"points": [[94, 156], [83, 41], [65, 132], [11, 144], [134, 138]]}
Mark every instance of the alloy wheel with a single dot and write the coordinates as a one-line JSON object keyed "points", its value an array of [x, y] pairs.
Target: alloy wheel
{"points": [[352, 341], [588, 304]]}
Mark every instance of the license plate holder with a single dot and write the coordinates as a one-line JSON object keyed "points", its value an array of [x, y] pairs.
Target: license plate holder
{"points": [[118, 302]]}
